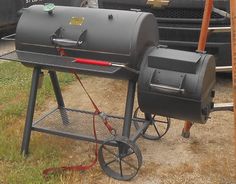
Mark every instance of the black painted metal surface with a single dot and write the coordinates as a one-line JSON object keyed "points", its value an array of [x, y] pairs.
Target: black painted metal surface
{"points": [[115, 36], [177, 84]]}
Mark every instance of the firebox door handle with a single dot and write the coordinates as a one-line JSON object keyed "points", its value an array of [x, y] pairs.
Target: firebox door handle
{"points": [[171, 89]]}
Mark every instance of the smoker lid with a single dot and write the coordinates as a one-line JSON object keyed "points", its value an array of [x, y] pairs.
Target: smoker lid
{"points": [[120, 36]]}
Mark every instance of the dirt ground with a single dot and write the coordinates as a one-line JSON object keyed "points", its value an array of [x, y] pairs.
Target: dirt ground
{"points": [[207, 157]]}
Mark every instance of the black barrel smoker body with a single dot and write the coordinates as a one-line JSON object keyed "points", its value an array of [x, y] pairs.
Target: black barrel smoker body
{"points": [[171, 83]]}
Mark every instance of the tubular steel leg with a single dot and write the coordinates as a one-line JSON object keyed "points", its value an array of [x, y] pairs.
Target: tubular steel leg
{"points": [[59, 98], [30, 111], [129, 109]]}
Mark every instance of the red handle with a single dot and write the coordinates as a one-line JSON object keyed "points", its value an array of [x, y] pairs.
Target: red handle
{"points": [[92, 62]]}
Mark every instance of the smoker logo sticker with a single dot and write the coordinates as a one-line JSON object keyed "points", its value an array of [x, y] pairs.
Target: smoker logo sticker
{"points": [[77, 21]]}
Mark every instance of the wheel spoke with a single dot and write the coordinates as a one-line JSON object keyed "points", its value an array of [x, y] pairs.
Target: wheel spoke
{"points": [[139, 119], [164, 122], [153, 117], [131, 165], [110, 162], [127, 154], [156, 130], [121, 172], [105, 148]]}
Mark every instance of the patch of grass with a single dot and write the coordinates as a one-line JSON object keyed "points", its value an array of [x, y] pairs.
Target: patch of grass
{"points": [[15, 80]]}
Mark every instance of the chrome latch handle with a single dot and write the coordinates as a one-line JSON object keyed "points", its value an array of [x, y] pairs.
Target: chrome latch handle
{"points": [[171, 89]]}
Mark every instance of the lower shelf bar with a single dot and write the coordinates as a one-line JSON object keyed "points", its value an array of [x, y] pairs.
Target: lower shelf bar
{"points": [[68, 135]]}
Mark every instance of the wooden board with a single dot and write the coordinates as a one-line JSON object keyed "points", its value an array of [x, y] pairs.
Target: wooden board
{"points": [[233, 47]]}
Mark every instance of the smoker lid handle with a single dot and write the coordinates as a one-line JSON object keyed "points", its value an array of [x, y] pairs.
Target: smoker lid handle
{"points": [[65, 42]]}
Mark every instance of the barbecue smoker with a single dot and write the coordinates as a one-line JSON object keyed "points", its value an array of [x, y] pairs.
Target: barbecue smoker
{"points": [[120, 45]]}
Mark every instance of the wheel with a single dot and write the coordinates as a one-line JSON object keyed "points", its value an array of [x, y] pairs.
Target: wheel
{"points": [[120, 158], [158, 127]]}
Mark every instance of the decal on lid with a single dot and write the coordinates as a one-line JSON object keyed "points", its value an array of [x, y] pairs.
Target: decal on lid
{"points": [[77, 21]]}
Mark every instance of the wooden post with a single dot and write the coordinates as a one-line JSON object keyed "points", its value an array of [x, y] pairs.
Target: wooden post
{"points": [[233, 47], [201, 48]]}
